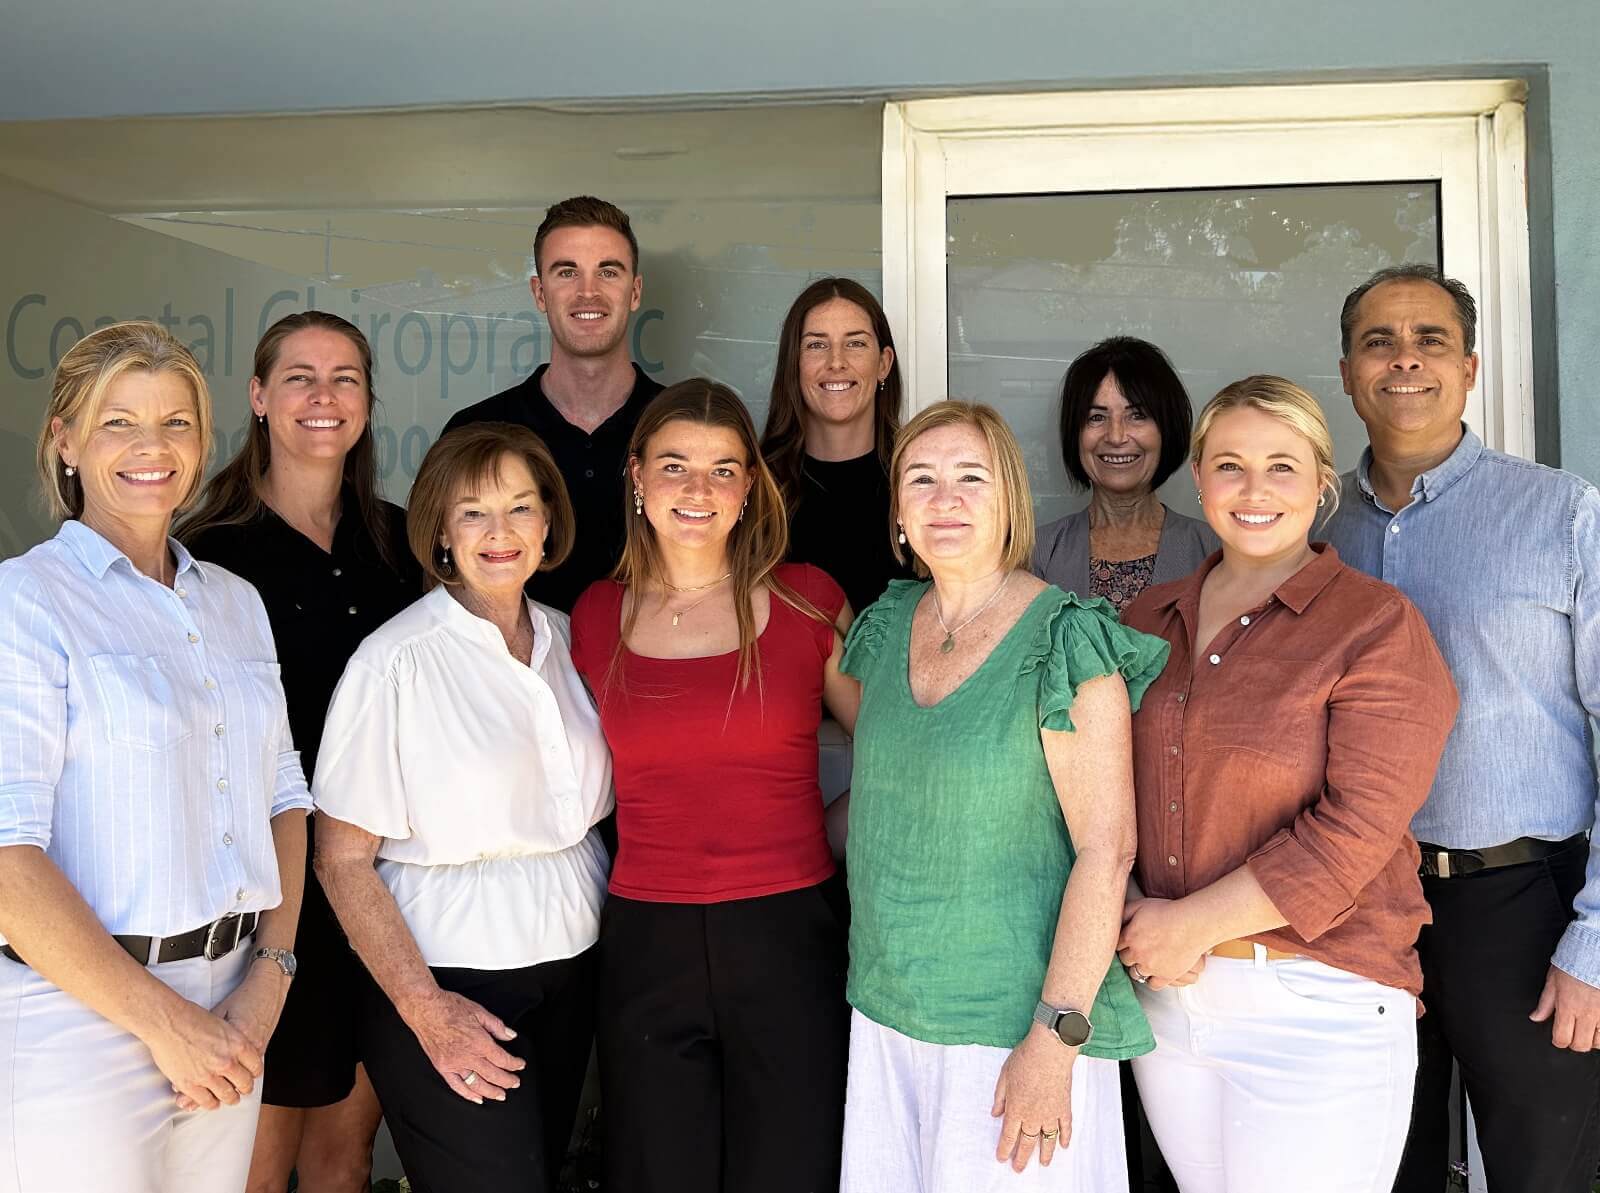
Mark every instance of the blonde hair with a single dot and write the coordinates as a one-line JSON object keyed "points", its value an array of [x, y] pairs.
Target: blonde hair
{"points": [[1016, 500], [79, 387], [1295, 408], [465, 456]]}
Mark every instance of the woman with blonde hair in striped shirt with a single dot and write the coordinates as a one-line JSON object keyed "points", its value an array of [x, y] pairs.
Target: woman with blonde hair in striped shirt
{"points": [[152, 806]]}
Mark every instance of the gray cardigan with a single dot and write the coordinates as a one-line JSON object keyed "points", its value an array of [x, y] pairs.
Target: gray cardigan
{"points": [[1061, 554]]}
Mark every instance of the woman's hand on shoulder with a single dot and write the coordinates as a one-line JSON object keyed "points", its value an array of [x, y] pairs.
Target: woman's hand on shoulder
{"points": [[1033, 1098], [462, 1041]]}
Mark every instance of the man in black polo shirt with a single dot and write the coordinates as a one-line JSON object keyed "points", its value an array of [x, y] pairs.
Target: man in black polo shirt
{"points": [[585, 403]]}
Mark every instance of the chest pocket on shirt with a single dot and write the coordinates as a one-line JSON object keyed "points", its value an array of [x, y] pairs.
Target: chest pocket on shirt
{"points": [[1265, 706], [141, 700]]}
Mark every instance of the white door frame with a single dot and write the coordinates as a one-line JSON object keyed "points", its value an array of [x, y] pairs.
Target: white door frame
{"points": [[1469, 136]]}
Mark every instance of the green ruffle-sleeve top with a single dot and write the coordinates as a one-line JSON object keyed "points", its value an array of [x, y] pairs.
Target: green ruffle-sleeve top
{"points": [[958, 853]]}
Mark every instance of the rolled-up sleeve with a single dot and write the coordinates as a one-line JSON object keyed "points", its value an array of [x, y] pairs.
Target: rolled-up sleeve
{"points": [[1578, 952], [33, 710], [1388, 717]]}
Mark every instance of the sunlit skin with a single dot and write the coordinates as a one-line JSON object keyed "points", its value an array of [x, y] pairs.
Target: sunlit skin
{"points": [[1259, 488], [495, 532], [587, 286], [1408, 372], [315, 399], [1119, 445], [841, 366], [137, 457], [951, 503], [694, 480]]}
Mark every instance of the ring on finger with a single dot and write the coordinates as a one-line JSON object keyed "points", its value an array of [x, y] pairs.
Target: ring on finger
{"points": [[1035, 1135], [1050, 1134], [469, 1077]]}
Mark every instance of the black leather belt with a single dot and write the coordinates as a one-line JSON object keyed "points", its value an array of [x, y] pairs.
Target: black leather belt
{"points": [[1438, 862], [211, 941]]}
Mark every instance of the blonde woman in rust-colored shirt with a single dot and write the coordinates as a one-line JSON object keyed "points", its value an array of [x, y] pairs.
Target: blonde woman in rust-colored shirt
{"points": [[1277, 763]]}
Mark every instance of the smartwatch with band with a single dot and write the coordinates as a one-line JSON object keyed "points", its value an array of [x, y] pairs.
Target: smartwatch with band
{"points": [[1071, 1027]]}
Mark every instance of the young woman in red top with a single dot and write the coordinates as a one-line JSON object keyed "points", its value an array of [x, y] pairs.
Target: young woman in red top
{"points": [[723, 1024]]}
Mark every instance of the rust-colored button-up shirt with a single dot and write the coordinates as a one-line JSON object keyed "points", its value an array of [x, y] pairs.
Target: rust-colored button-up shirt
{"points": [[1299, 742]]}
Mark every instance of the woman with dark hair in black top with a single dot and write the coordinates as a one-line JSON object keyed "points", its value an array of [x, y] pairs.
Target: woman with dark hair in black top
{"points": [[296, 512], [830, 428]]}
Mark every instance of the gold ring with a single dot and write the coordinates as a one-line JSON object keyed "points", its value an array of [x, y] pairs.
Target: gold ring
{"points": [[1050, 1134], [1035, 1135]]}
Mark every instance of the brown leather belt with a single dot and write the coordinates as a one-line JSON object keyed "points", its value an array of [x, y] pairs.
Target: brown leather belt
{"points": [[1439, 862], [1245, 950], [211, 941]]}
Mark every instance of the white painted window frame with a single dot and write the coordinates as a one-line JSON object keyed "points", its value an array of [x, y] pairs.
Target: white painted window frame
{"points": [[1467, 135]]}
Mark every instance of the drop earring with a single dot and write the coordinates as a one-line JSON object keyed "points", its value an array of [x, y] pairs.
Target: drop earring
{"points": [[742, 508], [444, 560], [902, 536], [70, 470], [638, 501], [262, 419], [1199, 499]]}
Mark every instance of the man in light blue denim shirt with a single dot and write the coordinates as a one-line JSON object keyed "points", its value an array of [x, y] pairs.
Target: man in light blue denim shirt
{"points": [[1503, 558]]}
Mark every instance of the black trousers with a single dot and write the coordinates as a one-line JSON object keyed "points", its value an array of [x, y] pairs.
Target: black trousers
{"points": [[448, 1145], [723, 1039], [1484, 960]]}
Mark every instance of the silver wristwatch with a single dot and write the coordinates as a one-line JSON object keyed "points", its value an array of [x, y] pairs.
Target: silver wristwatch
{"points": [[1071, 1027], [282, 958]]}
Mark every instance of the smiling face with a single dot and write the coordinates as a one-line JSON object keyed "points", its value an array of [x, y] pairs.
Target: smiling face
{"points": [[587, 286], [1259, 484], [950, 500], [1120, 444], [1408, 372], [315, 397], [841, 363], [694, 479], [139, 455], [495, 529]]}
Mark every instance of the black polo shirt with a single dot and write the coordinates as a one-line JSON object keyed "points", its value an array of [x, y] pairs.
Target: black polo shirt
{"points": [[594, 467]]}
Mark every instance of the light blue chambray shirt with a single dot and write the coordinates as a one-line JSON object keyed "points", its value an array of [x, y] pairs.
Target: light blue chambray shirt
{"points": [[1503, 558], [144, 741]]}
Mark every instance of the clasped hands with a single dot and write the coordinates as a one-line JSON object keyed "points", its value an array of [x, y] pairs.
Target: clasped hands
{"points": [[1159, 945]]}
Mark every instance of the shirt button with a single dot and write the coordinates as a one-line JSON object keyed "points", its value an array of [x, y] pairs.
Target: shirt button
{"points": [[193, 637], [183, 592], [1215, 659], [222, 784], [1181, 697], [1173, 806], [1171, 860], [352, 610], [238, 895], [589, 472], [211, 684], [1172, 749], [1394, 528], [1244, 621], [227, 838], [338, 571], [218, 731]]}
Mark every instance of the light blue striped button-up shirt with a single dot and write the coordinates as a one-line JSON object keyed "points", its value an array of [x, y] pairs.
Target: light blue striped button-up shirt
{"points": [[1503, 558], [144, 742]]}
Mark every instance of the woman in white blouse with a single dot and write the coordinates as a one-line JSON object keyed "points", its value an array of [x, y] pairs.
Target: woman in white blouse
{"points": [[463, 754], [152, 808]]}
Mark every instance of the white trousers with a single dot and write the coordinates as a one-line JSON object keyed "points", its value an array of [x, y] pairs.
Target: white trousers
{"points": [[916, 1120], [83, 1108], [1277, 1075]]}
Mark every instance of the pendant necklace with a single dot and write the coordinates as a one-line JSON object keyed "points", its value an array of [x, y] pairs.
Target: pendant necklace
{"points": [[949, 642], [677, 613]]}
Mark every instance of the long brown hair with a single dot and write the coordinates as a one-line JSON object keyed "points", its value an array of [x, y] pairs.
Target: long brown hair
{"points": [[233, 497], [758, 541], [783, 443]]}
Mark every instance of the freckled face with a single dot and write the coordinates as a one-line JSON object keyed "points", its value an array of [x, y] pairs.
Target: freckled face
{"points": [[1258, 484], [951, 502], [694, 480], [139, 454]]}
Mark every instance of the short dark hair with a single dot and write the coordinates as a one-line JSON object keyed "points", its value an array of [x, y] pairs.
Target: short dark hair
{"points": [[584, 211], [1412, 271], [462, 457], [1147, 380]]}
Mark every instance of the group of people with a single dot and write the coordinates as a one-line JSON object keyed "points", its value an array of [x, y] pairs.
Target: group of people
{"points": [[1286, 805]]}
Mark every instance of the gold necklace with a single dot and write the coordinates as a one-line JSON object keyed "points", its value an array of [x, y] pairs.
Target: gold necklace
{"points": [[699, 587], [679, 613], [949, 642]]}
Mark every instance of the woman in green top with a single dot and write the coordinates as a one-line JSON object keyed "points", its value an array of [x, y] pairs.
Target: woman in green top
{"points": [[990, 838]]}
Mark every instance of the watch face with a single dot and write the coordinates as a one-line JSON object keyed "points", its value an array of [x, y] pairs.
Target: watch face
{"points": [[1073, 1028]]}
